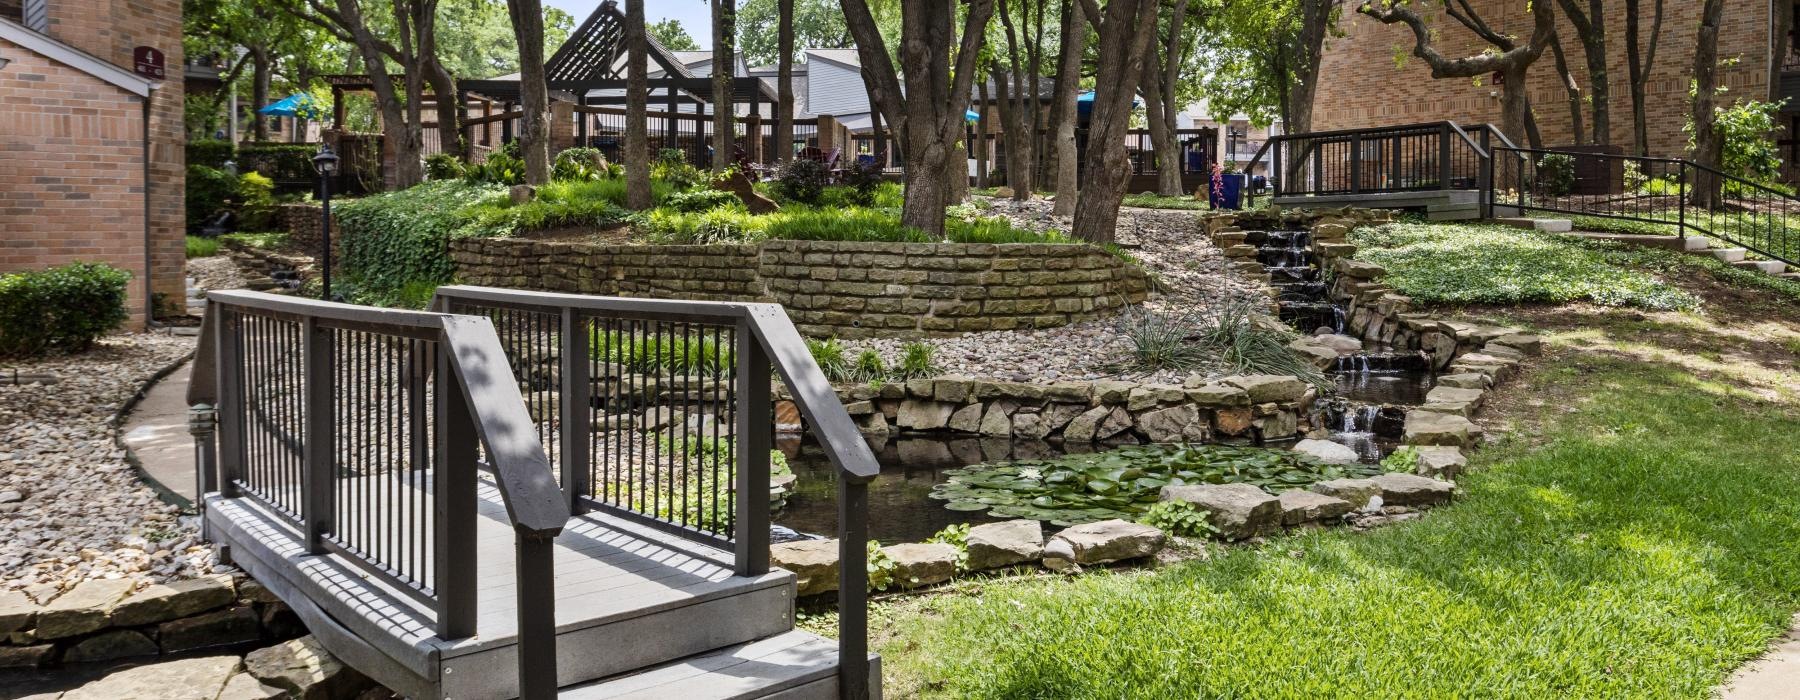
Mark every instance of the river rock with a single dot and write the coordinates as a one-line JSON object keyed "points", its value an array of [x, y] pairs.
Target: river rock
{"points": [[1269, 388], [995, 545], [304, 668], [109, 645], [1327, 451], [1237, 510], [1357, 492], [922, 564], [1427, 428], [81, 610], [966, 419], [917, 414], [1059, 556], [1441, 462], [1413, 490], [814, 563], [1175, 424], [1109, 541], [1085, 427], [187, 679], [1299, 507], [169, 601]]}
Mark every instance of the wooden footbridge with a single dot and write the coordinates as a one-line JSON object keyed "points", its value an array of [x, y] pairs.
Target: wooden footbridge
{"points": [[528, 495]]}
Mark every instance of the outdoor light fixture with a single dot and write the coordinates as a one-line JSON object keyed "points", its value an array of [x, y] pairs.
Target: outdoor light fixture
{"points": [[326, 163]]}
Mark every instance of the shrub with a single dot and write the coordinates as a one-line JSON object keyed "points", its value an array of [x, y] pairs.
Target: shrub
{"points": [[211, 153], [1556, 174], [1178, 518], [1749, 151], [282, 162], [803, 181], [663, 355], [863, 178], [268, 240], [400, 238], [588, 203], [443, 166], [918, 360], [198, 247], [499, 168], [209, 191], [668, 227], [256, 200], [829, 355], [1161, 340], [63, 308], [869, 367], [700, 200], [580, 163], [671, 166]]}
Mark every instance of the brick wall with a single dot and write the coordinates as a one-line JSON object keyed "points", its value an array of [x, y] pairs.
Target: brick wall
{"points": [[1361, 85], [841, 289], [72, 184]]}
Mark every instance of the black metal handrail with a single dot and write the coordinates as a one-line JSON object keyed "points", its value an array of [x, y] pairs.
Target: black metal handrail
{"points": [[391, 411], [603, 342], [1665, 191], [1426, 156]]}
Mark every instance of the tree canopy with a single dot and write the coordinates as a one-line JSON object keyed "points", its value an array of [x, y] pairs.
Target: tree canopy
{"points": [[673, 36]]}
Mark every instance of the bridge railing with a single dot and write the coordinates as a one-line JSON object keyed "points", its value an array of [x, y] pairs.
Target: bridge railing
{"points": [[660, 412], [363, 429], [1675, 196], [1406, 158]]}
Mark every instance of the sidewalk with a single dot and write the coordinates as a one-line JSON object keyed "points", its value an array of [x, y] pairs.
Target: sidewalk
{"points": [[1775, 675], [156, 432]]}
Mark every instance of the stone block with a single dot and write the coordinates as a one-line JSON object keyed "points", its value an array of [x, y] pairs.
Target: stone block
{"points": [[997, 422], [1440, 462], [994, 545], [1448, 429], [922, 564], [165, 602], [1109, 541], [109, 645], [82, 610], [813, 562], [1327, 451], [966, 419], [1237, 510], [1299, 507], [1357, 492], [303, 668], [187, 679], [917, 414], [215, 629], [26, 657], [1413, 490], [17, 612], [1263, 388], [1217, 396], [1175, 424]]}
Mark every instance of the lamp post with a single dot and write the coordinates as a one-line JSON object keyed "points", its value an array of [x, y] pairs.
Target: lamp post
{"points": [[326, 163]]}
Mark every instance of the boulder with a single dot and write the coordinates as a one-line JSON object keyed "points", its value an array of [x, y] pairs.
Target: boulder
{"points": [[875, 425], [997, 422], [1427, 428], [1530, 345], [187, 679], [814, 563], [1117, 421], [1059, 556], [1111, 391], [1269, 388], [244, 686], [952, 388], [1343, 344], [966, 419], [1004, 192], [1299, 507], [1217, 396], [1108, 541], [109, 645], [214, 629], [1237, 510], [1469, 380], [1233, 421], [164, 602], [17, 612], [739, 184], [1085, 427], [303, 668], [1356, 492], [1319, 355], [1028, 426], [994, 545], [1057, 415], [922, 564], [521, 194], [1441, 462], [1359, 269], [916, 414], [81, 610], [1176, 424], [1328, 452], [22, 657], [1451, 394], [1413, 490]]}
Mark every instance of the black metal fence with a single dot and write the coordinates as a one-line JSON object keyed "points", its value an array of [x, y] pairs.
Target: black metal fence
{"points": [[363, 428], [1409, 158], [1682, 197], [662, 415]]}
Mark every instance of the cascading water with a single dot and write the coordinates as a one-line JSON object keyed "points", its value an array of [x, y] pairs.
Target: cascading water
{"points": [[1288, 258]]}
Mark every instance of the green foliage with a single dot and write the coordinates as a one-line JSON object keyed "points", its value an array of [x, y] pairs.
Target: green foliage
{"points": [[671, 167], [1606, 225], [1178, 518], [268, 240], [918, 360], [881, 567], [1162, 340], [1252, 343], [803, 180], [700, 200], [256, 201], [1157, 201], [1123, 483], [443, 166], [869, 367], [862, 178], [565, 203], [198, 247], [1749, 151], [579, 163], [498, 168], [957, 536], [1556, 174], [663, 355], [64, 308], [209, 191], [1485, 264], [726, 225], [829, 355], [816, 23], [672, 35], [283, 162], [1404, 459], [397, 239], [211, 153]]}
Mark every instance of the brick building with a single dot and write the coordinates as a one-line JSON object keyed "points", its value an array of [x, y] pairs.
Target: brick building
{"points": [[91, 152], [1361, 85]]}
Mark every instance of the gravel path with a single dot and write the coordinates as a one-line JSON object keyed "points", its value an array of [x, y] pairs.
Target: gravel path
{"points": [[71, 507], [1192, 272], [216, 272]]}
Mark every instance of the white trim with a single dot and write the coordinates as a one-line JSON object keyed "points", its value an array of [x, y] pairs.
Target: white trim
{"points": [[75, 58]]}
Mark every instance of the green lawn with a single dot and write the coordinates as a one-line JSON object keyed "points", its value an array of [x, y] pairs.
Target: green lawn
{"points": [[1635, 536]]}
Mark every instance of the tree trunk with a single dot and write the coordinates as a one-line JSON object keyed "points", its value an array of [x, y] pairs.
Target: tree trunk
{"points": [[259, 93], [528, 30], [1709, 144], [637, 100], [398, 134], [1569, 87], [449, 106], [784, 104], [1035, 103], [1590, 28], [1126, 29], [1162, 107], [1638, 71], [1014, 101], [1315, 24], [724, 17], [1068, 86], [981, 137]]}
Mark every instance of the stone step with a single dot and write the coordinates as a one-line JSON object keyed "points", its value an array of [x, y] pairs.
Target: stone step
{"points": [[1452, 212], [1790, 276], [1770, 267], [1730, 255], [1551, 225], [1690, 244], [793, 665]]}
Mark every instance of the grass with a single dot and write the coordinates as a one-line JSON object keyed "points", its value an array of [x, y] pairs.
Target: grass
{"points": [[664, 354], [1157, 201], [1634, 538], [198, 247], [267, 240], [1486, 264]]}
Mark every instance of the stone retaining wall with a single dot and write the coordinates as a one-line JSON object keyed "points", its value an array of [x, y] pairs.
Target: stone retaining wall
{"points": [[843, 289], [302, 222], [103, 620]]}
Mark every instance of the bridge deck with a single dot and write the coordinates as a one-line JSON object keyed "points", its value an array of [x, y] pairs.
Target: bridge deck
{"points": [[628, 598]]}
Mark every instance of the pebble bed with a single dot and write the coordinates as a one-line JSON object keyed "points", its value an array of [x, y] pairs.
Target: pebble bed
{"points": [[215, 272], [71, 507], [1193, 277]]}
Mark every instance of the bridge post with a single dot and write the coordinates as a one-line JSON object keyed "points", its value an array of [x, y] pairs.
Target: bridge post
{"points": [[536, 573], [574, 423], [228, 367], [453, 505], [1444, 170], [320, 444], [754, 432], [1355, 163]]}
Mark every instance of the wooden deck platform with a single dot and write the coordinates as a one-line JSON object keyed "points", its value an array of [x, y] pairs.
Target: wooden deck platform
{"points": [[1438, 205], [639, 613]]}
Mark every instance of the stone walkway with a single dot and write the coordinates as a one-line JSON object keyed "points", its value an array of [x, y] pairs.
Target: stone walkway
{"points": [[1775, 675], [157, 434]]}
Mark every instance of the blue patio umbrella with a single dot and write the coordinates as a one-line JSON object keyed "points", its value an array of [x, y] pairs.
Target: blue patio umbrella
{"points": [[971, 115], [1084, 103], [299, 104]]}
